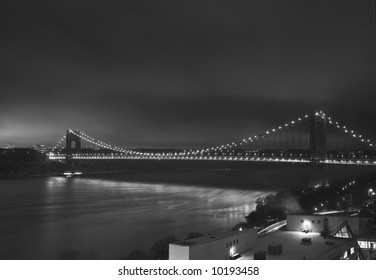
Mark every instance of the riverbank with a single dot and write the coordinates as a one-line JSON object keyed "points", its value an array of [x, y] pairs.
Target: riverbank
{"points": [[344, 195]]}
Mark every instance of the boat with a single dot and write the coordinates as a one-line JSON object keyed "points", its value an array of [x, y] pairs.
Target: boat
{"points": [[69, 174]]}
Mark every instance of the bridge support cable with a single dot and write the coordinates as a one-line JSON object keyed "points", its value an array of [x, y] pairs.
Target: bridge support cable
{"points": [[293, 141], [352, 133], [354, 147], [57, 149], [256, 142]]}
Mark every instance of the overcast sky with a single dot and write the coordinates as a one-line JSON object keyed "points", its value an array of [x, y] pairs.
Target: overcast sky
{"points": [[182, 73]]}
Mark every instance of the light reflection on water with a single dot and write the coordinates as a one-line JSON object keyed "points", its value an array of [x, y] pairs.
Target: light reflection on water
{"points": [[43, 217]]}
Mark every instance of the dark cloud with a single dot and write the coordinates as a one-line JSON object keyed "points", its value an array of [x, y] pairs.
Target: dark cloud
{"points": [[180, 73]]}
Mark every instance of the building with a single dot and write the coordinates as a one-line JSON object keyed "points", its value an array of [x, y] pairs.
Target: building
{"points": [[296, 245], [9, 146], [360, 229], [304, 237], [42, 148], [317, 237], [331, 225], [222, 246]]}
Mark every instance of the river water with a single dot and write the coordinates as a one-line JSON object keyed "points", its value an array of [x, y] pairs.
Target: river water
{"points": [[42, 218], [106, 217]]}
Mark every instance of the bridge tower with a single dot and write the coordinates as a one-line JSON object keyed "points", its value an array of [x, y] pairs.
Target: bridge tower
{"points": [[318, 148], [73, 146]]}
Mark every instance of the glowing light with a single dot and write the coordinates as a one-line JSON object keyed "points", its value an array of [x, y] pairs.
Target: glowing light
{"points": [[307, 223], [232, 251]]}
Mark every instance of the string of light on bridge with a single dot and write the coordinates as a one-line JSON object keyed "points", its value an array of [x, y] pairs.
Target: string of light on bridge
{"points": [[252, 139], [62, 140], [205, 153], [355, 135], [101, 144], [191, 152]]}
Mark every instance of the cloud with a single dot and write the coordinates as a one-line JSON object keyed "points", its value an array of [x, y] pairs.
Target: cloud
{"points": [[141, 72]]}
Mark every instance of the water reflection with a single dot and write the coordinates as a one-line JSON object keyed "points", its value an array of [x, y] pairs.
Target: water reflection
{"points": [[110, 217]]}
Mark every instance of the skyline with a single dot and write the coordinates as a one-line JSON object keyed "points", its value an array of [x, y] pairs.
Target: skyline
{"points": [[182, 74]]}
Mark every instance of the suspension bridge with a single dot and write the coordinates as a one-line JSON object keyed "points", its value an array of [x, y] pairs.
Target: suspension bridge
{"points": [[312, 138]]}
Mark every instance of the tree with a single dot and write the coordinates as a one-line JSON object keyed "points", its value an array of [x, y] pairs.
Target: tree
{"points": [[77, 255], [137, 255], [260, 201], [254, 218], [159, 249], [70, 255]]}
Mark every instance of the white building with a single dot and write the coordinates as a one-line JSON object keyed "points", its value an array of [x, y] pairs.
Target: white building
{"points": [[297, 245], [315, 237], [330, 225], [310, 237], [222, 246]]}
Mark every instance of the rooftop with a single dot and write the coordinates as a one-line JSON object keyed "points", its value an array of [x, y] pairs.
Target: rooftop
{"points": [[293, 248], [212, 237]]}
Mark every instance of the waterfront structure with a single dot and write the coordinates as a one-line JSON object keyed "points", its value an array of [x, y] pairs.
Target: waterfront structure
{"points": [[222, 246], [304, 140], [297, 245], [287, 143], [357, 228], [305, 237], [331, 225]]}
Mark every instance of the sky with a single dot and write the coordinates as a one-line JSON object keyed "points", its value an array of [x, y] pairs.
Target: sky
{"points": [[149, 73]]}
